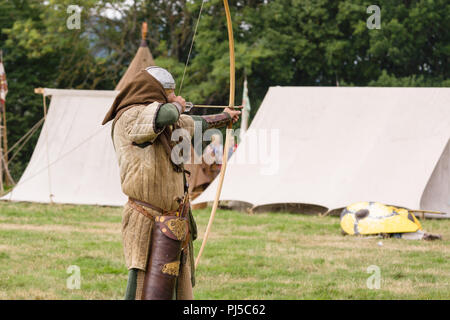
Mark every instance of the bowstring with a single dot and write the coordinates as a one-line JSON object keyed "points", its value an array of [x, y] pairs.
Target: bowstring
{"points": [[192, 45]]}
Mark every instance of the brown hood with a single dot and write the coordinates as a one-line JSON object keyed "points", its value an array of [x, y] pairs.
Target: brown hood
{"points": [[144, 89]]}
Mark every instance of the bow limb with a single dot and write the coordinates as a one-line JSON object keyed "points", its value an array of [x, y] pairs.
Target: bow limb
{"points": [[228, 132]]}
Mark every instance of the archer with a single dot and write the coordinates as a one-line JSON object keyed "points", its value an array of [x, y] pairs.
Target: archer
{"points": [[157, 225]]}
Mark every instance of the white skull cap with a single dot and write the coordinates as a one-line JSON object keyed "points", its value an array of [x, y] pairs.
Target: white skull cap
{"points": [[163, 76]]}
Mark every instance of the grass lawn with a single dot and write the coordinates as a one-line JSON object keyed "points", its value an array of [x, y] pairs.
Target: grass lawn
{"points": [[264, 256]]}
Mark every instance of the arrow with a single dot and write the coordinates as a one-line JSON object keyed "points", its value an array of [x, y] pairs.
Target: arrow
{"points": [[190, 105]]}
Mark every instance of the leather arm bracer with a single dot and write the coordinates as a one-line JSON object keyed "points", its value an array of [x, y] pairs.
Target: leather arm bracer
{"points": [[217, 120]]}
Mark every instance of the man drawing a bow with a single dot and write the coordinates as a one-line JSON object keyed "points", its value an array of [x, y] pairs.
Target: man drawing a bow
{"points": [[157, 224]]}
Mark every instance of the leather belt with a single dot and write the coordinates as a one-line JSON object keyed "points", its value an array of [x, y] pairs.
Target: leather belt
{"points": [[137, 203]]}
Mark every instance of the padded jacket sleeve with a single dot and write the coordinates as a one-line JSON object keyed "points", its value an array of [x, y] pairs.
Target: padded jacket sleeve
{"points": [[140, 123]]}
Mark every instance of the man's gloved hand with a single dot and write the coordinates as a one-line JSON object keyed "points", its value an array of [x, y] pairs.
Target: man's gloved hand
{"points": [[233, 113], [172, 98]]}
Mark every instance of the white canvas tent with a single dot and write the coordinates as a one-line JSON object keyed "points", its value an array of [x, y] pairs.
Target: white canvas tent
{"points": [[337, 146], [74, 159]]}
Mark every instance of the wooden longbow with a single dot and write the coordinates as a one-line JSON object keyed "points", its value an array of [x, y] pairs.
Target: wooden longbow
{"points": [[228, 133]]}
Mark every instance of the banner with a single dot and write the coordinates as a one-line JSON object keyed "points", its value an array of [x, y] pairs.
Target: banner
{"points": [[3, 84], [245, 110]]}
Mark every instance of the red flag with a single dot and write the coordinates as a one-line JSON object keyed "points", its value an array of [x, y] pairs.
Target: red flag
{"points": [[3, 84]]}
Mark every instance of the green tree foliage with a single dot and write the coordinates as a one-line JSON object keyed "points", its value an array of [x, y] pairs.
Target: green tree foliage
{"points": [[24, 73], [278, 42]]}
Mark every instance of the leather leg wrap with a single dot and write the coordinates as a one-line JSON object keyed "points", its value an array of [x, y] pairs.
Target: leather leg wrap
{"points": [[163, 264]]}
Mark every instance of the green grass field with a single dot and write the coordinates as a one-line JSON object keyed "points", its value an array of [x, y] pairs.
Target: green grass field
{"points": [[264, 256]]}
